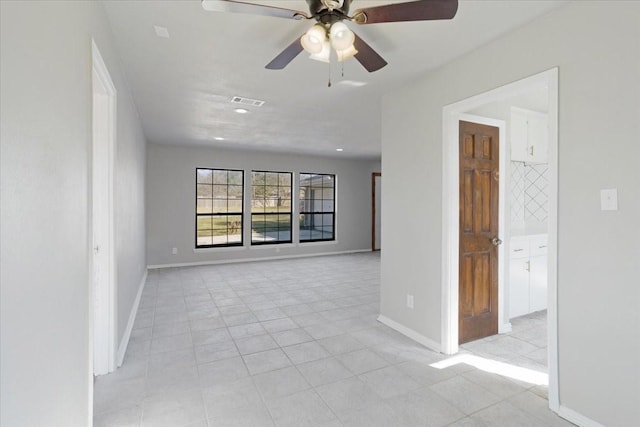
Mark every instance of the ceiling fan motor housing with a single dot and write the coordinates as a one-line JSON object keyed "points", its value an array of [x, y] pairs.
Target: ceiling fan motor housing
{"points": [[320, 10]]}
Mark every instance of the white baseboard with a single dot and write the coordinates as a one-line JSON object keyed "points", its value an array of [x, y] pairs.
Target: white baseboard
{"points": [[410, 333], [235, 261], [505, 328], [122, 348], [577, 418]]}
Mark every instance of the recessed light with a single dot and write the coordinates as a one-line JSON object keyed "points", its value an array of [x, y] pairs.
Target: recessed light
{"points": [[218, 138], [241, 111], [340, 149], [161, 31]]}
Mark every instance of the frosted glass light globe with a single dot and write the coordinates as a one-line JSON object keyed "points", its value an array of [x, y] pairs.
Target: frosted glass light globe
{"points": [[314, 38], [341, 36]]}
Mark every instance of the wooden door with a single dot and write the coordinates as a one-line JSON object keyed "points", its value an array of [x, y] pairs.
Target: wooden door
{"points": [[478, 280]]}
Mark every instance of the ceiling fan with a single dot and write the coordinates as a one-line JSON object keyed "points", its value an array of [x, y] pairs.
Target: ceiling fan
{"points": [[331, 32]]}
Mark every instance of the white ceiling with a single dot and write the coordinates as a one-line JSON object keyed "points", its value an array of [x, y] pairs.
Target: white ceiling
{"points": [[183, 85]]}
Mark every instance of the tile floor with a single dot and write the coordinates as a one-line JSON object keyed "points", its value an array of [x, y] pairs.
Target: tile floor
{"points": [[296, 343]]}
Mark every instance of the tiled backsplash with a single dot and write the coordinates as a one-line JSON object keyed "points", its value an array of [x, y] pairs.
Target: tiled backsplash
{"points": [[529, 194]]}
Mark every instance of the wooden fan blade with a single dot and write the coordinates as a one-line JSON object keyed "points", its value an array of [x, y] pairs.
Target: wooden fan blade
{"points": [[368, 57], [286, 56], [252, 9], [422, 10]]}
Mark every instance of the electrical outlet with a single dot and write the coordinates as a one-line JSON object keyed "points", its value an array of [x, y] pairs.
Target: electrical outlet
{"points": [[609, 199], [409, 301], [174, 251]]}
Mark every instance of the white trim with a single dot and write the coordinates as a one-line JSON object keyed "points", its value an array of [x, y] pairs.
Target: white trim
{"points": [[450, 214], [235, 261], [110, 302], [552, 244], [410, 333], [504, 328], [122, 348], [577, 418]]}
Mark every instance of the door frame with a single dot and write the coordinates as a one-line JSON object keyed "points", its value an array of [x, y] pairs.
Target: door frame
{"points": [[452, 114], [373, 210], [103, 329]]}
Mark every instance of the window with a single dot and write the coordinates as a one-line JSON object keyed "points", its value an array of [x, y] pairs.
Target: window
{"points": [[219, 207], [317, 207], [270, 207]]}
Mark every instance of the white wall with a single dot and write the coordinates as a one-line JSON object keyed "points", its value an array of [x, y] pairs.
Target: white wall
{"points": [[171, 202], [45, 87], [596, 46]]}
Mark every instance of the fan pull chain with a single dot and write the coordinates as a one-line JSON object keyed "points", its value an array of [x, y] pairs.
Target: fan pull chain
{"points": [[329, 84]]}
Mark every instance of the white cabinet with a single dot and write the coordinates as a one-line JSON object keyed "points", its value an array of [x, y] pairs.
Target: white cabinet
{"points": [[527, 275], [537, 273], [529, 136]]}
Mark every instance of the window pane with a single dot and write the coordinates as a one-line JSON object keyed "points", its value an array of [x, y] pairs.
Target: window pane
{"points": [[257, 206], [285, 206], [271, 195], [204, 239], [220, 176], [271, 178], [219, 206], [285, 180], [235, 191], [235, 178], [284, 192], [203, 206], [204, 191], [235, 206], [234, 226], [270, 191], [219, 191], [317, 207], [257, 178], [204, 176], [327, 193], [204, 223], [327, 205], [220, 224]]}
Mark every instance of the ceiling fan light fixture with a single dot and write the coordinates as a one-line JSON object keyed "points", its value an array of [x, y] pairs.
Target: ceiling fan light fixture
{"points": [[341, 36], [314, 39], [347, 53], [324, 53]]}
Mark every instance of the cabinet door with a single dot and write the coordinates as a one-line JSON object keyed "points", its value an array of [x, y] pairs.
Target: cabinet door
{"points": [[518, 287], [518, 136], [538, 283], [537, 138]]}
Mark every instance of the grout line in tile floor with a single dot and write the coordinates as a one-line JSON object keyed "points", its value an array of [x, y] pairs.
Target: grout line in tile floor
{"points": [[296, 343]]}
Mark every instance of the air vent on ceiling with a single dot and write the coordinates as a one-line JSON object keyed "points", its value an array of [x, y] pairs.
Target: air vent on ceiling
{"points": [[247, 101]]}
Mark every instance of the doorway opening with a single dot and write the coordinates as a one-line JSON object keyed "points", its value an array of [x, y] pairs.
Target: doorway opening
{"points": [[102, 281], [376, 211], [478, 109]]}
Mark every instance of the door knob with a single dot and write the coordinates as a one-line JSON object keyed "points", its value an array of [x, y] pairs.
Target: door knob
{"points": [[496, 241]]}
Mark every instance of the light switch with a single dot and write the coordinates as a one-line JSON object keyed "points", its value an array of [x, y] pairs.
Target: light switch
{"points": [[609, 199]]}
